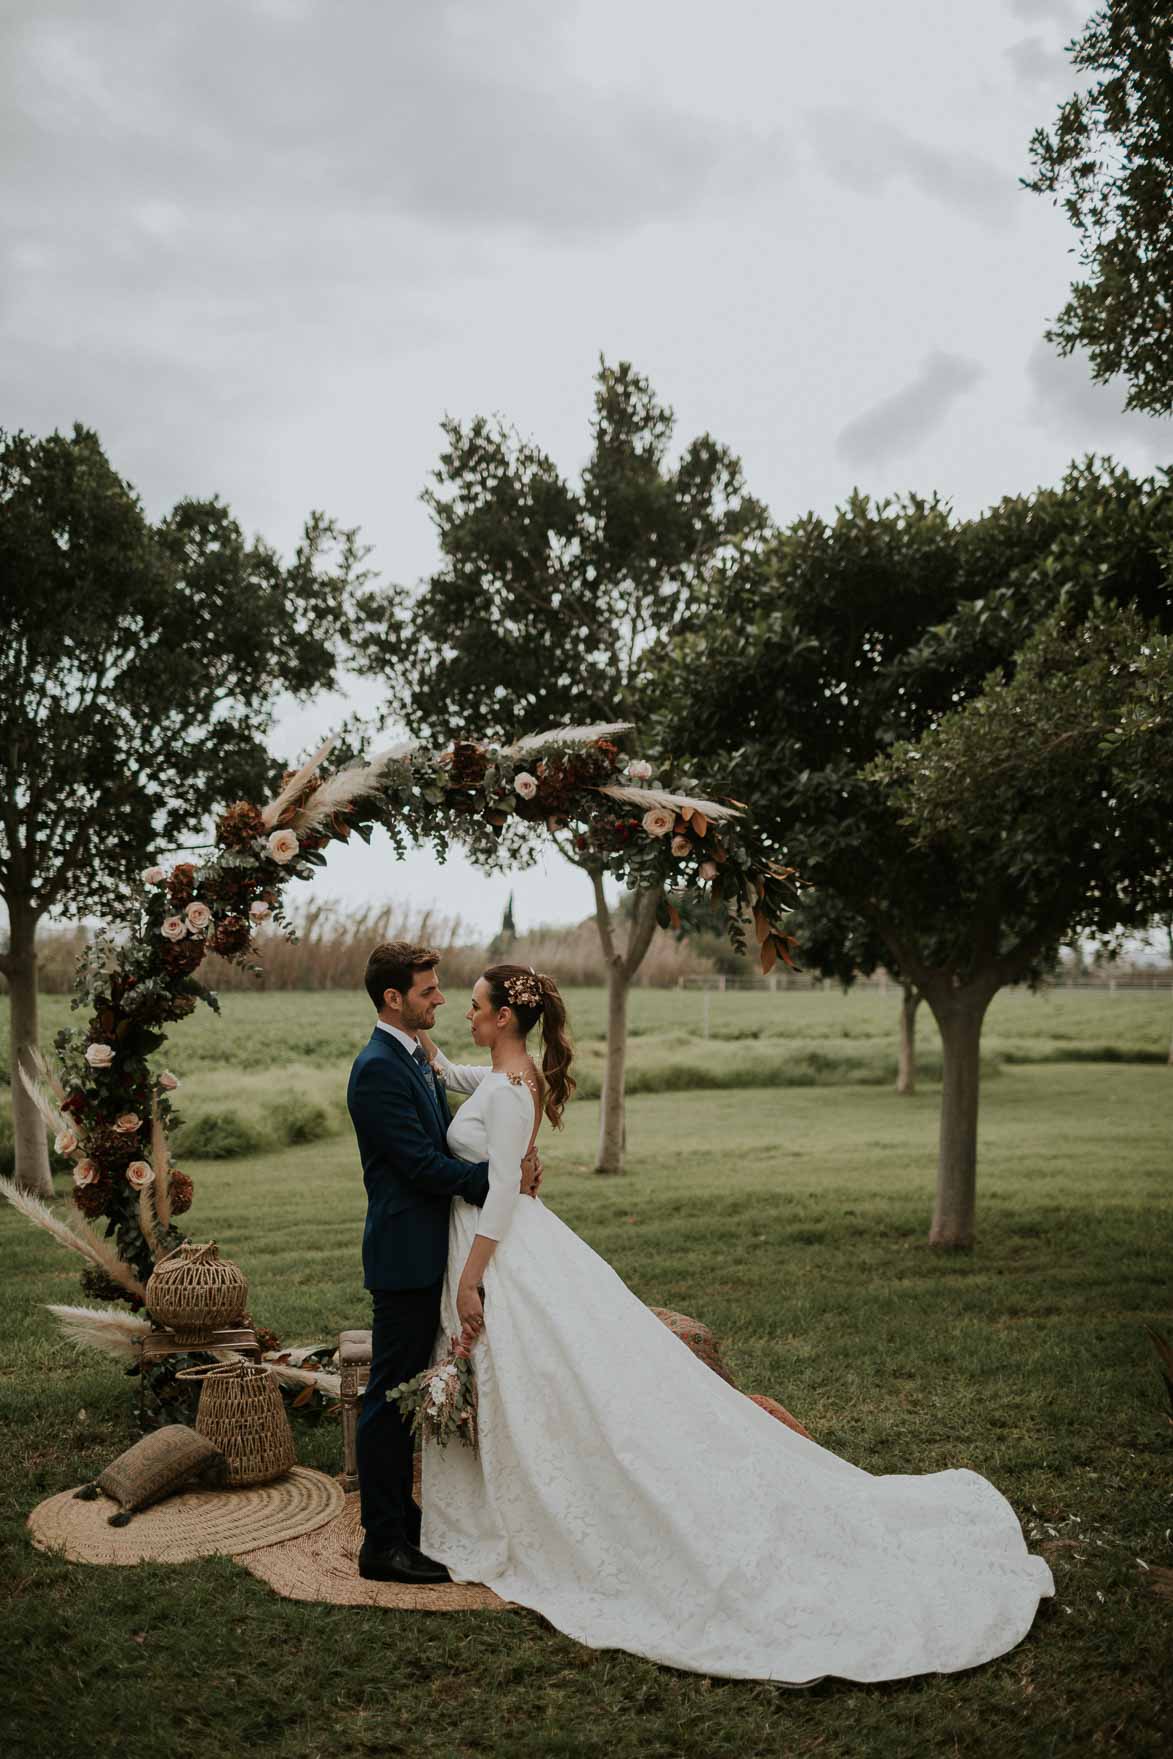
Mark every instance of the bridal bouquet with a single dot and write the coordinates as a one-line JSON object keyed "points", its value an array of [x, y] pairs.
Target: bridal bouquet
{"points": [[442, 1401]]}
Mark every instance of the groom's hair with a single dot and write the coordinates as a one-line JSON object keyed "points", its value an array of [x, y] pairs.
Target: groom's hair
{"points": [[393, 964]]}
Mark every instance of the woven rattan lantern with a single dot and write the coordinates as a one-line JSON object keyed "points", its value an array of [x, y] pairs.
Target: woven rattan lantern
{"points": [[241, 1413], [194, 1291]]}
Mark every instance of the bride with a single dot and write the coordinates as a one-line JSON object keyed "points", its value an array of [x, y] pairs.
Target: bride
{"points": [[632, 1497]]}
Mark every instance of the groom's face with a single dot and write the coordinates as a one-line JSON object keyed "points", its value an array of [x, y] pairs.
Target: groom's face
{"points": [[417, 1010]]}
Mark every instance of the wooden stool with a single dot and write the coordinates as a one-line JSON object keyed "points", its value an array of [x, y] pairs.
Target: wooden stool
{"points": [[354, 1369]]}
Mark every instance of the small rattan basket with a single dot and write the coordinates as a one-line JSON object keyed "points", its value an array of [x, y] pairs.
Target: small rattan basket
{"points": [[241, 1413], [194, 1291]]}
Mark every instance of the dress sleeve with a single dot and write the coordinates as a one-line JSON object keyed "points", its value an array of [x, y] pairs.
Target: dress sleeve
{"points": [[508, 1124], [461, 1077]]}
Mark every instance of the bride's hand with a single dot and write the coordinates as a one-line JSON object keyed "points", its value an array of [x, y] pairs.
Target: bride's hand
{"points": [[531, 1173], [469, 1307]]}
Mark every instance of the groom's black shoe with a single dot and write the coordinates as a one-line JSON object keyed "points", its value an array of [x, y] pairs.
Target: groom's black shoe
{"points": [[402, 1562]]}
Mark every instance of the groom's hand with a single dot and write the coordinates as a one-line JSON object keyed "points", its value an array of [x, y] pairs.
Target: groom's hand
{"points": [[531, 1173]]}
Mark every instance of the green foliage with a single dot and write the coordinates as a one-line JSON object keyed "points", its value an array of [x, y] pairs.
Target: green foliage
{"points": [[548, 596], [844, 639], [1110, 161], [1056, 781], [139, 665], [217, 1136]]}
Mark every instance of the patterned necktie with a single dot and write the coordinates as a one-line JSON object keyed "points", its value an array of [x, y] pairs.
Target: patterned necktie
{"points": [[420, 1055]]}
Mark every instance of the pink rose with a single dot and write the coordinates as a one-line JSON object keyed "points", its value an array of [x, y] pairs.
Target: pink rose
{"points": [[709, 870], [99, 1056], [168, 1082], [659, 821], [140, 1173], [65, 1142], [198, 917], [174, 928], [640, 770], [128, 1124], [525, 785], [258, 910], [85, 1173], [681, 846], [152, 876], [283, 846]]}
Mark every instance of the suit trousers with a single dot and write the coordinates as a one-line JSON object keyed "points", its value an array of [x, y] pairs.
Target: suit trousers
{"points": [[403, 1331]]}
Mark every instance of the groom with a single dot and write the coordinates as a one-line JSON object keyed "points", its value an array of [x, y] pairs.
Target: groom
{"points": [[400, 1116]]}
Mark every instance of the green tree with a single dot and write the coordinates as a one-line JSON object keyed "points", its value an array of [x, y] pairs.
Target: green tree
{"points": [[1054, 784], [1109, 160], [847, 639], [139, 667], [550, 598]]}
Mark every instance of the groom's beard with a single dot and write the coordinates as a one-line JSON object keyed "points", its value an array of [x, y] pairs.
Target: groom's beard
{"points": [[420, 1019]]}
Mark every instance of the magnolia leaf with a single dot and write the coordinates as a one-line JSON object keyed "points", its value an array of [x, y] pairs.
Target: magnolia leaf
{"points": [[769, 954]]}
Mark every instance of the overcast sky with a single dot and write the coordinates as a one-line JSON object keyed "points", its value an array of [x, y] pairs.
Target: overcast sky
{"points": [[263, 248]]}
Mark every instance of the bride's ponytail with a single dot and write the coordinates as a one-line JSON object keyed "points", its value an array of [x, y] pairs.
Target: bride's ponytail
{"points": [[557, 1052], [534, 997]]}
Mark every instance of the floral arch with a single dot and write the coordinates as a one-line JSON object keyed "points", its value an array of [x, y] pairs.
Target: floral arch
{"points": [[112, 1112]]}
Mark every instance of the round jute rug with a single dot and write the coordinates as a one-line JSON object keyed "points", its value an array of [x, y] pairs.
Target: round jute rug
{"points": [[198, 1523], [323, 1566]]}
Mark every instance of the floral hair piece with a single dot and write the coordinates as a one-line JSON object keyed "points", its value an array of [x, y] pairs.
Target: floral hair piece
{"points": [[524, 991]]}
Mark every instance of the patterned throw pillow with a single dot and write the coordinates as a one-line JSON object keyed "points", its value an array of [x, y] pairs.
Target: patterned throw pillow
{"points": [[169, 1459]]}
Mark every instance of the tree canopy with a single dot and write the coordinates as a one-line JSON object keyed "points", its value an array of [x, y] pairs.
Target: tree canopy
{"points": [[1109, 159]]}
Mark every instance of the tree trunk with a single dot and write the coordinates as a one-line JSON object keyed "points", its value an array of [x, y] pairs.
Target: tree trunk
{"points": [[959, 1014], [19, 966], [612, 1113], [622, 966], [910, 1001]]}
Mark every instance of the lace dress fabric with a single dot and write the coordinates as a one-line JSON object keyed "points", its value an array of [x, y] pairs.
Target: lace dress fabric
{"points": [[635, 1500]]}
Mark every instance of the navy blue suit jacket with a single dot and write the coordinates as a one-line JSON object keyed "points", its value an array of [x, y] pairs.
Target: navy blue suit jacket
{"points": [[410, 1177]]}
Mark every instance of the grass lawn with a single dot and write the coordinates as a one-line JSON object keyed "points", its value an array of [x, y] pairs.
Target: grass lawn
{"points": [[793, 1221]]}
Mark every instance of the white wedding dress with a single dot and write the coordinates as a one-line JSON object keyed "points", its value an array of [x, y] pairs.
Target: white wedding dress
{"points": [[634, 1499]]}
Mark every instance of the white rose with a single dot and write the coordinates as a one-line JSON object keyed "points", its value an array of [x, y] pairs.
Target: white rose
{"points": [[99, 1056], [525, 785], [283, 846], [198, 917], [128, 1124], [640, 770], [174, 928], [65, 1142], [85, 1173], [659, 821], [709, 870], [258, 910], [681, 846], [152, 876], [140, 1173], [168, 1082]]}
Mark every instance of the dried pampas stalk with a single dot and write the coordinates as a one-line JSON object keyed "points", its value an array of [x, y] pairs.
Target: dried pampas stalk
{"points": [[321, 1381], [650, 797], [161, 1165], [102, 1328], [41, 1100], [44, 1072], [271, 813], [148, 1221], [568, 736], [82, 1239]]}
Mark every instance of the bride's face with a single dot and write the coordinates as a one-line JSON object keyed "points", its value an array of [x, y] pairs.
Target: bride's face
{"points": [[482, 1016]]}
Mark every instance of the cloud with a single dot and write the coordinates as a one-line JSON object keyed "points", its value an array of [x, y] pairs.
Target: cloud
{"points": [[1059, 10], [290, 114], [1033, 63], [868, 154], [1066, 399], [901, 421]]}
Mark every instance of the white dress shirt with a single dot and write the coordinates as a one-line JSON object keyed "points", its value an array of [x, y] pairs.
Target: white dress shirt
{"points": [[461, 1077]]}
